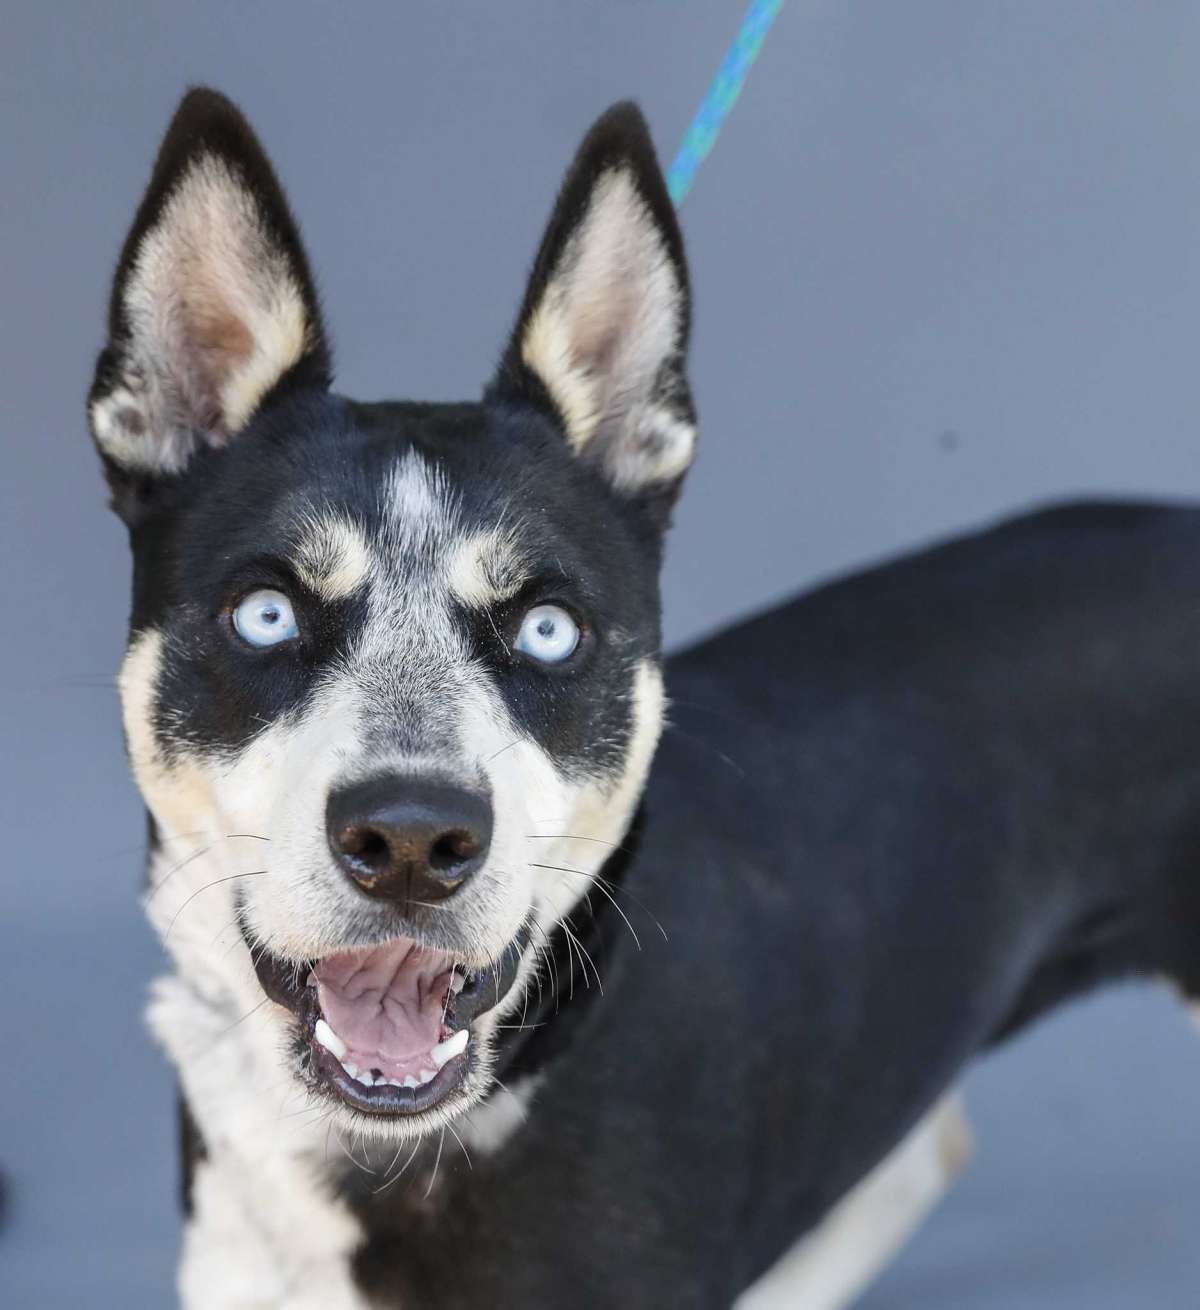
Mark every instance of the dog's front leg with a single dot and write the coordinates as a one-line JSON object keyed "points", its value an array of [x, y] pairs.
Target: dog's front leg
{"points": [[265, 1231], [249, 1246], [226, 1264]]}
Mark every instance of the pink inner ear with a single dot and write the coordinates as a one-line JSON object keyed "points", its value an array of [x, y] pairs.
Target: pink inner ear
{"points": [[609, 326], [215, 343], [221, 337], [214, 315]]}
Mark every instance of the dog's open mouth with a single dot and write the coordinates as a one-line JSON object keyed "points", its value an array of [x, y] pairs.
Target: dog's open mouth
{"points": [[388, 1026], [386, 1036]]}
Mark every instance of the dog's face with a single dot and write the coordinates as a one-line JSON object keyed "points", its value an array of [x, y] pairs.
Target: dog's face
{"points": [[392, 685]]}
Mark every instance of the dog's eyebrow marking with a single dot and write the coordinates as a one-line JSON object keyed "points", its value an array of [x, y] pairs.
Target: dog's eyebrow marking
{"points": [[333, 557], [487, 568]]}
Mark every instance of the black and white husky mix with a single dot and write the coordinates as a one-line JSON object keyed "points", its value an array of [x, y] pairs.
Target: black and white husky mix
{"points": [[470, 1007]]}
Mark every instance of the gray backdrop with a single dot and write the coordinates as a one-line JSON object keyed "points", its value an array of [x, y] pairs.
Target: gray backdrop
{"points": [[945, 266]]}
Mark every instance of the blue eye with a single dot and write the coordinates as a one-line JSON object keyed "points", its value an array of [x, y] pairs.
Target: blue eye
{"points": [[265, 618], [548, 634]]}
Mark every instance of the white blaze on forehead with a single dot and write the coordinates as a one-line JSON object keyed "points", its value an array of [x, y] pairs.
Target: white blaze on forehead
{"points": [[417, 502], [333, 557], [411, 639], [427, 544]]}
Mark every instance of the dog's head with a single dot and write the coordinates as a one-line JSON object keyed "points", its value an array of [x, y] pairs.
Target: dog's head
{"points": [[392, 685]]}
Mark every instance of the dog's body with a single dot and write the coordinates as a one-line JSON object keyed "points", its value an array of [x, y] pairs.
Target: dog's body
{"points": [[678, 1015], [889, 823]]}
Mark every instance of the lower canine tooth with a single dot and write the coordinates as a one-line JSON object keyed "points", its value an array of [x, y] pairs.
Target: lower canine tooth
{"points": [[366, 1077], [427, 1076], [351, 1069], [451, 1047], [329, 1039]]}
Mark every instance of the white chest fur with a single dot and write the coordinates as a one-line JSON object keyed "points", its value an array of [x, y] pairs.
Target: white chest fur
{"points": [[265, 1232]]}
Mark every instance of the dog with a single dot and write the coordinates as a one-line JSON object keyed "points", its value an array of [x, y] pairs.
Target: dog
{"points": [[481, 993]]}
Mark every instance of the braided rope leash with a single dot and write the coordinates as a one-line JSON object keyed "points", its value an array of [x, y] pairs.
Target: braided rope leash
{"points": [[721, 96]]}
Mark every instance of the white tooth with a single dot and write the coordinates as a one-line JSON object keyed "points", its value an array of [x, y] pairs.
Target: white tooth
{"points": [[457, 982], [427, 1076], [394, 1082], [329, 1039], [351, 1069], [410, 1081], [366, 1077], [451, 1047]]}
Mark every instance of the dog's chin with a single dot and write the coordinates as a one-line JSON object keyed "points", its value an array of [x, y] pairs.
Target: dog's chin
{"points": [[391, 1030]]}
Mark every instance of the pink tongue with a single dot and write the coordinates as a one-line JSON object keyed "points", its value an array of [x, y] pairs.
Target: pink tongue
{"points": [[386, 1004]]}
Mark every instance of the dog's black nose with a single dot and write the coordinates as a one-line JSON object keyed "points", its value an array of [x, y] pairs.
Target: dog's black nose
{"points": [[410, 840]]}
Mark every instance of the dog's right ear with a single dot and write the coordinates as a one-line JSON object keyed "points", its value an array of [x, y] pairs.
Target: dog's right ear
{"points": [[213, 305], [601, 338]]}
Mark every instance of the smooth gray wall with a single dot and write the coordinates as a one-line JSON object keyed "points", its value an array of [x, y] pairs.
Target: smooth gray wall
{"points": [[945, 265]]}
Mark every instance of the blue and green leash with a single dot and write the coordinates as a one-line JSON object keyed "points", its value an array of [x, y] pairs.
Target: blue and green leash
{"points": [[721, 96]]}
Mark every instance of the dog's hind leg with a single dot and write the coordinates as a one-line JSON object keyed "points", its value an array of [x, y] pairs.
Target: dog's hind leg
{"points": [[834, 1263]]}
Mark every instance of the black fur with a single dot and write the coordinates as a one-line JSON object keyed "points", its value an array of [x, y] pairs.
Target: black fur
{"points": [[224, 527], [889, 823]]}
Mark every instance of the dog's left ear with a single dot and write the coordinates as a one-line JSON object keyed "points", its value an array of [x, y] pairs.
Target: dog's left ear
{"points": [[212, 304], [602, 334]]}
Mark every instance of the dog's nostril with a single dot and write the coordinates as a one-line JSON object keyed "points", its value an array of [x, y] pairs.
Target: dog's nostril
{"points": [[367, 845], [453, 849]]}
